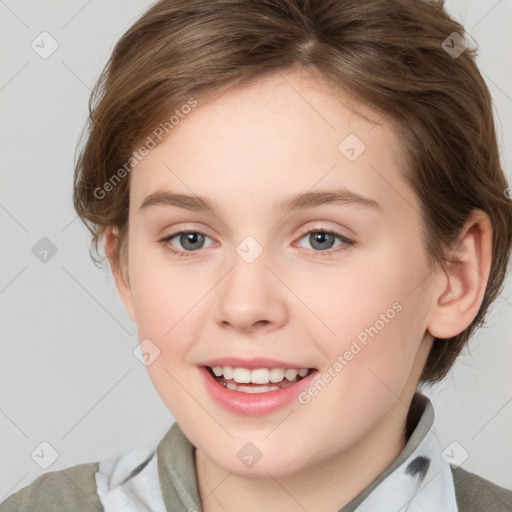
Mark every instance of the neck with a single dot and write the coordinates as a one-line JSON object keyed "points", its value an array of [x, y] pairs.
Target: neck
{"points": [[326, 486]]}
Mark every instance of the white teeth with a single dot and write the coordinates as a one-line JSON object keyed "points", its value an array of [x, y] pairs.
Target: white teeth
{"points": [[244, 388], [242, 375], [276, 375], [227, 371], [291, 374], [259, 375]]}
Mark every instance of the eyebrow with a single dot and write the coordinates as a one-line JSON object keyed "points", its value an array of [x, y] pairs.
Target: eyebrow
{"points": [[301, 201]]}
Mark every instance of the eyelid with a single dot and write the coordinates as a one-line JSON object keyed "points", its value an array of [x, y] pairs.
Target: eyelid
{"points": [[184, 231], [165, 242], [316, 229], [346, 242]]}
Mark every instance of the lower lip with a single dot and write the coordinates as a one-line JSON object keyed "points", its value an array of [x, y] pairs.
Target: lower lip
{"points": [[254, 404]]}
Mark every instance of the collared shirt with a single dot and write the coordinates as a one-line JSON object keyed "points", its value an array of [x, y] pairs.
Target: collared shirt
{"points": [[163, 479]]}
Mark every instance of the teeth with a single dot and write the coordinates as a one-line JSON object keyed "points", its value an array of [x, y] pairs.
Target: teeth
{"points": [[217, 370], [231, 385], [276, 375], [255, 389], [259, 375], [242, 375], [291, 374]]}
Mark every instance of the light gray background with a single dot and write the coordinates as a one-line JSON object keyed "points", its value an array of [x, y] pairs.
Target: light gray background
{"points": [[68, 375]]}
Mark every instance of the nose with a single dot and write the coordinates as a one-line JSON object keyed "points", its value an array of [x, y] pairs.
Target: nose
{"points": [[251, 298]]}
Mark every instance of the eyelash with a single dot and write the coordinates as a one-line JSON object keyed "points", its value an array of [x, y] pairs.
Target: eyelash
{"points": [[347, 242]]}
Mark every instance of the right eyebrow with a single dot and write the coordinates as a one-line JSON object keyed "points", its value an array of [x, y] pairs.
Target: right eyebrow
{"points": [[188, 202]]}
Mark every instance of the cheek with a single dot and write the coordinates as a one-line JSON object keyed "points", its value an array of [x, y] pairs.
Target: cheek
{"points": [[167, 311], [171, 307], [375, 313], [357, 296], [162, 294]]}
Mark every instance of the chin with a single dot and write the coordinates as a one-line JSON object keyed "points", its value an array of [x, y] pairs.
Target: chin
{"points": [[247, 461]]}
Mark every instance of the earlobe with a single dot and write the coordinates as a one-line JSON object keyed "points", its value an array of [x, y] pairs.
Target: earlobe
{"points": [[462, 287], [118, 268]]}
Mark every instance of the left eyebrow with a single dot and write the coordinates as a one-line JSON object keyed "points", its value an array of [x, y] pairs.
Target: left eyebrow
{"points": [[320, 197], [301, 201]]}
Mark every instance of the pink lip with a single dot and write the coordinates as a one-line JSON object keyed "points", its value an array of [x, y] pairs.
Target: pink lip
{"points": [[253, 363], [248, 404]]}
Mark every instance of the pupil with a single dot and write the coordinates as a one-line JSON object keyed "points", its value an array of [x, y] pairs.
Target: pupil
{"points": [[189, 239], [319, 239]]}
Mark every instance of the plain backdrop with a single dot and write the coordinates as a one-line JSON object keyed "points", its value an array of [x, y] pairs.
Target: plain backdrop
{"points": [[68, 374]]}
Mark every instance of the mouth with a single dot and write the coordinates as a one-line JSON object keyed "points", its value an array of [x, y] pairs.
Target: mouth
{"points": [[257, 380], [255, 386]]}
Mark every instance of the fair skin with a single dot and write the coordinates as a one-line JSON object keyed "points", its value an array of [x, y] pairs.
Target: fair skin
{"points": [[245, 151]]}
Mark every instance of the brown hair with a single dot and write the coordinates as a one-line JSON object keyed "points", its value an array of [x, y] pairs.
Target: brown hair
{"points": [[386, 55]]}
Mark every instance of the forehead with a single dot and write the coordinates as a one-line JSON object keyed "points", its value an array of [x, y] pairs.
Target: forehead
{"points": [[286, 132]]}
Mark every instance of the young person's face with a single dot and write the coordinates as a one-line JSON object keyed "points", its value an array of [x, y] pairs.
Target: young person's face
{"points": [[259, 282]]}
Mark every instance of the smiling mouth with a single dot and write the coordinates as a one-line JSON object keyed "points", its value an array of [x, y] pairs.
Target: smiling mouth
{"points": [[260, 380]]}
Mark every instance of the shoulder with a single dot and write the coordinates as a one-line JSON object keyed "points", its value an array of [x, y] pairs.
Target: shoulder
{"points": [[476, 494], [73, 488]]}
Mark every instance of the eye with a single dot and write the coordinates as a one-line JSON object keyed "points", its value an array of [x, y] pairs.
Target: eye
{"points": [[190, 241], [323, 240]]}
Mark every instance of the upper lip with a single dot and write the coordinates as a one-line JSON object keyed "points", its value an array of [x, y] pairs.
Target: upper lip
{"points": [[253, 363]]}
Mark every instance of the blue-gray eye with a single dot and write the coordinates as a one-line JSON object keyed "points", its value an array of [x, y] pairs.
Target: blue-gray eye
{"points": [[322, 240], [188, 240]]}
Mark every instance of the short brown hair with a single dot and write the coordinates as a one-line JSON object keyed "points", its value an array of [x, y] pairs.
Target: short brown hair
{"points": [[386, 55]]}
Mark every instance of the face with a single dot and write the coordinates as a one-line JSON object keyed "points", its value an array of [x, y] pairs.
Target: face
{"points": [[302, 269]]}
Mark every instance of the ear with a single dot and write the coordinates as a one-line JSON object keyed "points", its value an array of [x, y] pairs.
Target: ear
{"points": [[462, 284], [119, 268]]}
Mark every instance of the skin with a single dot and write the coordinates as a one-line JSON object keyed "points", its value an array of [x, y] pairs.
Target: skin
{"points": [[245, 150]]}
